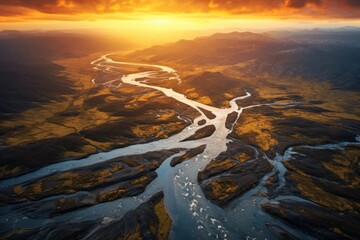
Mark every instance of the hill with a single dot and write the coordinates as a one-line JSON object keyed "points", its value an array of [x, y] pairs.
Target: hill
{"points": [[313, 55]]}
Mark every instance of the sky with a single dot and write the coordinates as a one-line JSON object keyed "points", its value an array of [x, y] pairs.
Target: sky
{"points": [[164, 20]]}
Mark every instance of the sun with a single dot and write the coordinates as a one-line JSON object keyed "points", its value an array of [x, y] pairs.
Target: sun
{"points": [[160, 21]]}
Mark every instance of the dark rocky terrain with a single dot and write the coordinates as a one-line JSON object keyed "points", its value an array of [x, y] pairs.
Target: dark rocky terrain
{"points": [[313, 55], [306, 82], [50, 110], [317, 70], [148, 221], [232, 173], [117, 178]]}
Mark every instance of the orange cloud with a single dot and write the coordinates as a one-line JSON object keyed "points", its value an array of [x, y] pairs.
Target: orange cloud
{"points": [[275, 8]]}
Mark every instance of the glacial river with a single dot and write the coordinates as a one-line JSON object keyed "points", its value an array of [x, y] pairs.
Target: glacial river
{"points": [[194, 217]]}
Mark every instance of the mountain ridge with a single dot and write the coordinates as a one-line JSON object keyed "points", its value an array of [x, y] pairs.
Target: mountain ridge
{"points": [[328, 57]]}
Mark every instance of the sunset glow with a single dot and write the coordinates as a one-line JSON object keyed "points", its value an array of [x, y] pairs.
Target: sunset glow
{"points": [[177, 18]]}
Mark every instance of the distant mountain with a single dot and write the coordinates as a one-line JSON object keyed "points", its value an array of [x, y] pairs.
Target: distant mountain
{"points": [[241, 36], [312, 54], [338, 64], [344, 36], [220, 48], [9, 33], [21, 46]]}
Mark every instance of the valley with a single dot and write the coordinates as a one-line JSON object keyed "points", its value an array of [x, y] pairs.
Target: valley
{"points": [[149, 143]]}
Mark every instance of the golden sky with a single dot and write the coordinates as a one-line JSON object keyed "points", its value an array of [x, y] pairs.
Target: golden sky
{"points": [[177, 18], [76, 9]]}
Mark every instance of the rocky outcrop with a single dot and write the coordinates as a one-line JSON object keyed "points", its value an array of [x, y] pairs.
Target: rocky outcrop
{"points": [[148, 221], [233, 173], [189, 154], [107, 181], [319, 221], [202, 133]]}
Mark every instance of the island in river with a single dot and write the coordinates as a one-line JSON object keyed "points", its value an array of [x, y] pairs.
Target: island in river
{"points": [[236, 135]]}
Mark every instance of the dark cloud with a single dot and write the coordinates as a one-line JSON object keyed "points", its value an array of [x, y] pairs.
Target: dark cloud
{"points": [[354, 3], [303, 3], [13, 11]]}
